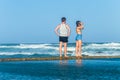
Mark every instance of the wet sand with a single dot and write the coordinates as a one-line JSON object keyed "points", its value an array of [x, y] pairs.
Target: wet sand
{"points": [[56, 58]]}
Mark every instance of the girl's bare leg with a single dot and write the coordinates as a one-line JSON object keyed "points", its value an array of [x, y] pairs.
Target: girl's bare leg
{"points": [[76, 49], [80, 48]]}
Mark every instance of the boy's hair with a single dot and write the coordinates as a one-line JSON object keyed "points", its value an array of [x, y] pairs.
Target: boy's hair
{"points": [[63, 19]]}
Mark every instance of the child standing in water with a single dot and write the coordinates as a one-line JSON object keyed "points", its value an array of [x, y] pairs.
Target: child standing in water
{"points": [[63, 33], [79, 28]]}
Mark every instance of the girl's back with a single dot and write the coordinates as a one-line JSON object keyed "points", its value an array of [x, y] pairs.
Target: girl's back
{"points": [[78, 30]]}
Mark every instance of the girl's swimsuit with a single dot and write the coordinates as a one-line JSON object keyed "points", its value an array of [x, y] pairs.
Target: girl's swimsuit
{"points": [[78, 37]]}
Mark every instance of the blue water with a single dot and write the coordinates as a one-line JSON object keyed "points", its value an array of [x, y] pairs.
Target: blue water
{"points": [[98, 69], [43, 50]]}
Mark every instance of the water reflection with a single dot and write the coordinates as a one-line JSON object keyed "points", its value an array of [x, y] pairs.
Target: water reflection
{"points": [[77, 62], [63, 61]]}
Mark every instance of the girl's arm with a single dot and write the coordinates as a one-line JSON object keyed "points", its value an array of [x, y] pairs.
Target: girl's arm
{"points": [[82, 26]]}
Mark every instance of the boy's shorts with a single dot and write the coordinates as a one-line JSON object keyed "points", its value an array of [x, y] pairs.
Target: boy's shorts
{"points": [[63, 39]]}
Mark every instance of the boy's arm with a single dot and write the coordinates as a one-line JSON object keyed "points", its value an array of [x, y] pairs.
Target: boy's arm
{"points": [[69, 31], [56, 30]]}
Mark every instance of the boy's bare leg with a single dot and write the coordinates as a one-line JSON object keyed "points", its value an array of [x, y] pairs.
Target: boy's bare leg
{"points": [[60, 49], [65, 49]]}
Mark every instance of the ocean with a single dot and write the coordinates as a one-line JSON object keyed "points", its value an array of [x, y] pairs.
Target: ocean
{"points": [[44, 50], [85, 69]]}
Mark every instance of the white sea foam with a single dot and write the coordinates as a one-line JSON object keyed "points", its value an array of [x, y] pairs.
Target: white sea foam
{"points": [[106, 45], [57, 53], [23, 46], [93, 49], [101, 46], [15, 53], [101, 54], [49, 46], [27, 53]]}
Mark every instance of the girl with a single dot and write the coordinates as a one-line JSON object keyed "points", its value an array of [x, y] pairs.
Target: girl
{"points": [[79, 27]]}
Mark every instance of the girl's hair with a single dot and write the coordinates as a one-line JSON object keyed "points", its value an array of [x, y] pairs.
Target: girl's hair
{"points": [[78, 23]]}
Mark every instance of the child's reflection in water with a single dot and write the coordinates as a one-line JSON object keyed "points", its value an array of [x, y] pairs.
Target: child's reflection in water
{"points": [[77, 61]]}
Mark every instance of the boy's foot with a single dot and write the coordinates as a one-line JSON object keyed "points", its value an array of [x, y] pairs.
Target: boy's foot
{"points": [[66, 56], [60, 56]]}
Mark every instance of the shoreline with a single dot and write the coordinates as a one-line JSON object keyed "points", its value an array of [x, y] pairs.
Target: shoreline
{"points": [[56, 58]]}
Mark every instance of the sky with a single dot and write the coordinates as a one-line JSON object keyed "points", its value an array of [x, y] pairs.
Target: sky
{"points": [[34, 21]]}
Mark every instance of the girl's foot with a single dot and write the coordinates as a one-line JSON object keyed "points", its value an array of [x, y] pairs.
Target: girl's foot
{"points": [[77, 56], [80, 56]]}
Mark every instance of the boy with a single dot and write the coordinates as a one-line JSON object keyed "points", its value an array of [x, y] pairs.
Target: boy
{"points": [[64, 33]]}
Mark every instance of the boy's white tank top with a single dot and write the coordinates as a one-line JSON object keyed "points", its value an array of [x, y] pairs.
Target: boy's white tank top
{"points": [[63, 30]]}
